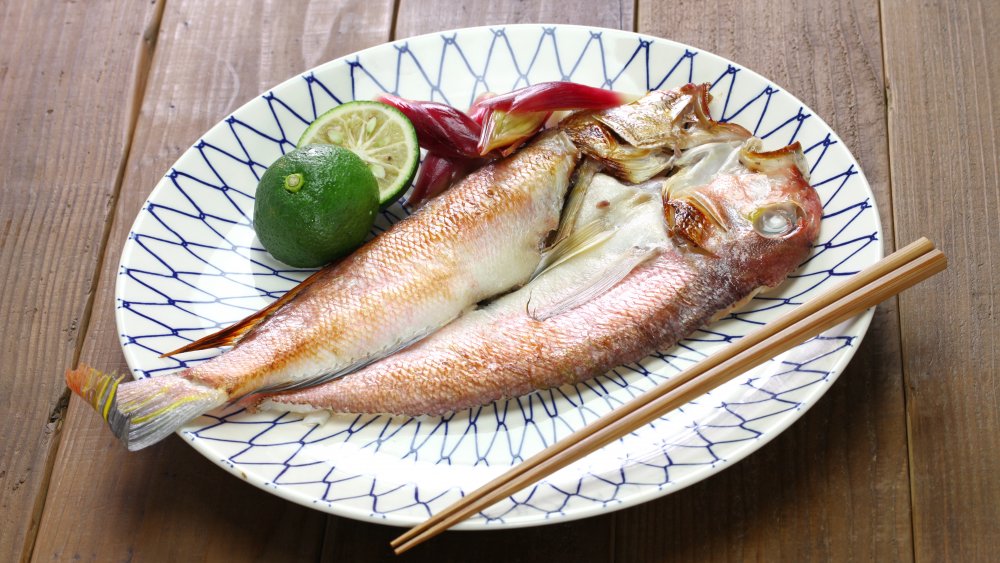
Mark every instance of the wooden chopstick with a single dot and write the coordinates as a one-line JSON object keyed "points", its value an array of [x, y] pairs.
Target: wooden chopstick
{"points": [[889, 276]]}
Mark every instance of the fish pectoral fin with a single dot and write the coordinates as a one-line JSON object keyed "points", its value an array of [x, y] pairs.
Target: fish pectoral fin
{"points": [[580, 241], [595, 285], [233, 333], [579, 185]]}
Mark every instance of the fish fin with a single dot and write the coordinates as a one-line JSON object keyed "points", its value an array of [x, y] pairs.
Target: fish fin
{"points": [[232, 333], [637, 165], [144, 411], [582, 178], [307, 382], [581, 240], [96, 388], [326, 377], [736, 306], [614, 272]]}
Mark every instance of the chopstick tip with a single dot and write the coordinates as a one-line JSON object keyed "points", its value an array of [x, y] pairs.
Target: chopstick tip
{"points": [[401, 549]]}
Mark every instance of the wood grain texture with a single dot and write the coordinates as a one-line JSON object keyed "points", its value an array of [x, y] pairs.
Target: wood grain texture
{"points": [[66, 118], [589, 540], [943, 77], [417, 17], [168, 502], [834, 486]]}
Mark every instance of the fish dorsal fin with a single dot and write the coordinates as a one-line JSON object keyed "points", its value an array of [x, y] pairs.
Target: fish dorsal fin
{"points": [[234, 332], [599, 282], [580, 241]]}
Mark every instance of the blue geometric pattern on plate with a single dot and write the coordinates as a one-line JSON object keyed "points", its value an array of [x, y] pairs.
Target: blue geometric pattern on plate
{"points": [[192, 265]]}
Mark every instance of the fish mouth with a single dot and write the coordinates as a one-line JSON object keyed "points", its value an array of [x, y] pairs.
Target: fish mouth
{"points": [[678, 118]]}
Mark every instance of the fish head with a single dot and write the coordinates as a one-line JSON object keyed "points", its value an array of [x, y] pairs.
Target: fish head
{"points": [[675, 119], [754, 208], [636, 141]]}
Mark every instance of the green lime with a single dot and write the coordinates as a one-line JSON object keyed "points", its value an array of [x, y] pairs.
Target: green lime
{"points": [[378, 133], [315, 204]]}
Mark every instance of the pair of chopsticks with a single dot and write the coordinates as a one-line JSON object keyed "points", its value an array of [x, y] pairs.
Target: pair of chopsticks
{"points": [[891, 275]]}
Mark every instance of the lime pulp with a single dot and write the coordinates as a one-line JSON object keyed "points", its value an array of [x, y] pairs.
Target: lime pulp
{"points": [[379, 134]]}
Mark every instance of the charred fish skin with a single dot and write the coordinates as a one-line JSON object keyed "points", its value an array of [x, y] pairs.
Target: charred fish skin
{"points": [[481, 238], [502, 351]]}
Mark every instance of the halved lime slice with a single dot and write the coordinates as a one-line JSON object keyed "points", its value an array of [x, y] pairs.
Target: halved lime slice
{"points": [[380, 134]]}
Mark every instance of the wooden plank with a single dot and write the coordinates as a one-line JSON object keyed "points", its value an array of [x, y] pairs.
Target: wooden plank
{"points": [[943, 81], [168, 502], [65, 121], [586, 540], [419, 17], [834, 486]]}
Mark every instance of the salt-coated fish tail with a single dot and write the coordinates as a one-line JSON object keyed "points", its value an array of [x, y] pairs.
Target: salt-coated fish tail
{"points": [[147, 411]]}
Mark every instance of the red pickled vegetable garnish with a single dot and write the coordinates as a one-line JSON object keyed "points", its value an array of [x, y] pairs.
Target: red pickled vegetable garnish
{"points": [[441, 129], [496, 125], [479, 110], [434, 176], [506, 131], [556, 96]]}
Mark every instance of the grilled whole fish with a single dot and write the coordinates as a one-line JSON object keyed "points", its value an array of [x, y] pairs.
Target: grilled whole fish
{"points": [[481, 238], [654, 262]]}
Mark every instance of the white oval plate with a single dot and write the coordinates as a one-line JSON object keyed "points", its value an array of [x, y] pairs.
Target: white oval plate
{"points": [[192, 265]]}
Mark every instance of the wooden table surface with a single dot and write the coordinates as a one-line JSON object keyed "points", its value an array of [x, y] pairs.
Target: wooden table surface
{"points": [[97, 100]]}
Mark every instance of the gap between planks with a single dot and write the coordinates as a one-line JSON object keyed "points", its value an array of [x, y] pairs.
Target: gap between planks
{"points": [[891, 218], [394, 20], [143, 63]]}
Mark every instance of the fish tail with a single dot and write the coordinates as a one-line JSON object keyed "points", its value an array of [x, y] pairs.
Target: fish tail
{"points": [[96, 388], [144, 411]]}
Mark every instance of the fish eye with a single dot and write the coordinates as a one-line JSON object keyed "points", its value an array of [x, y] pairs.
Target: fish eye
{"points": [[777, 220]]}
